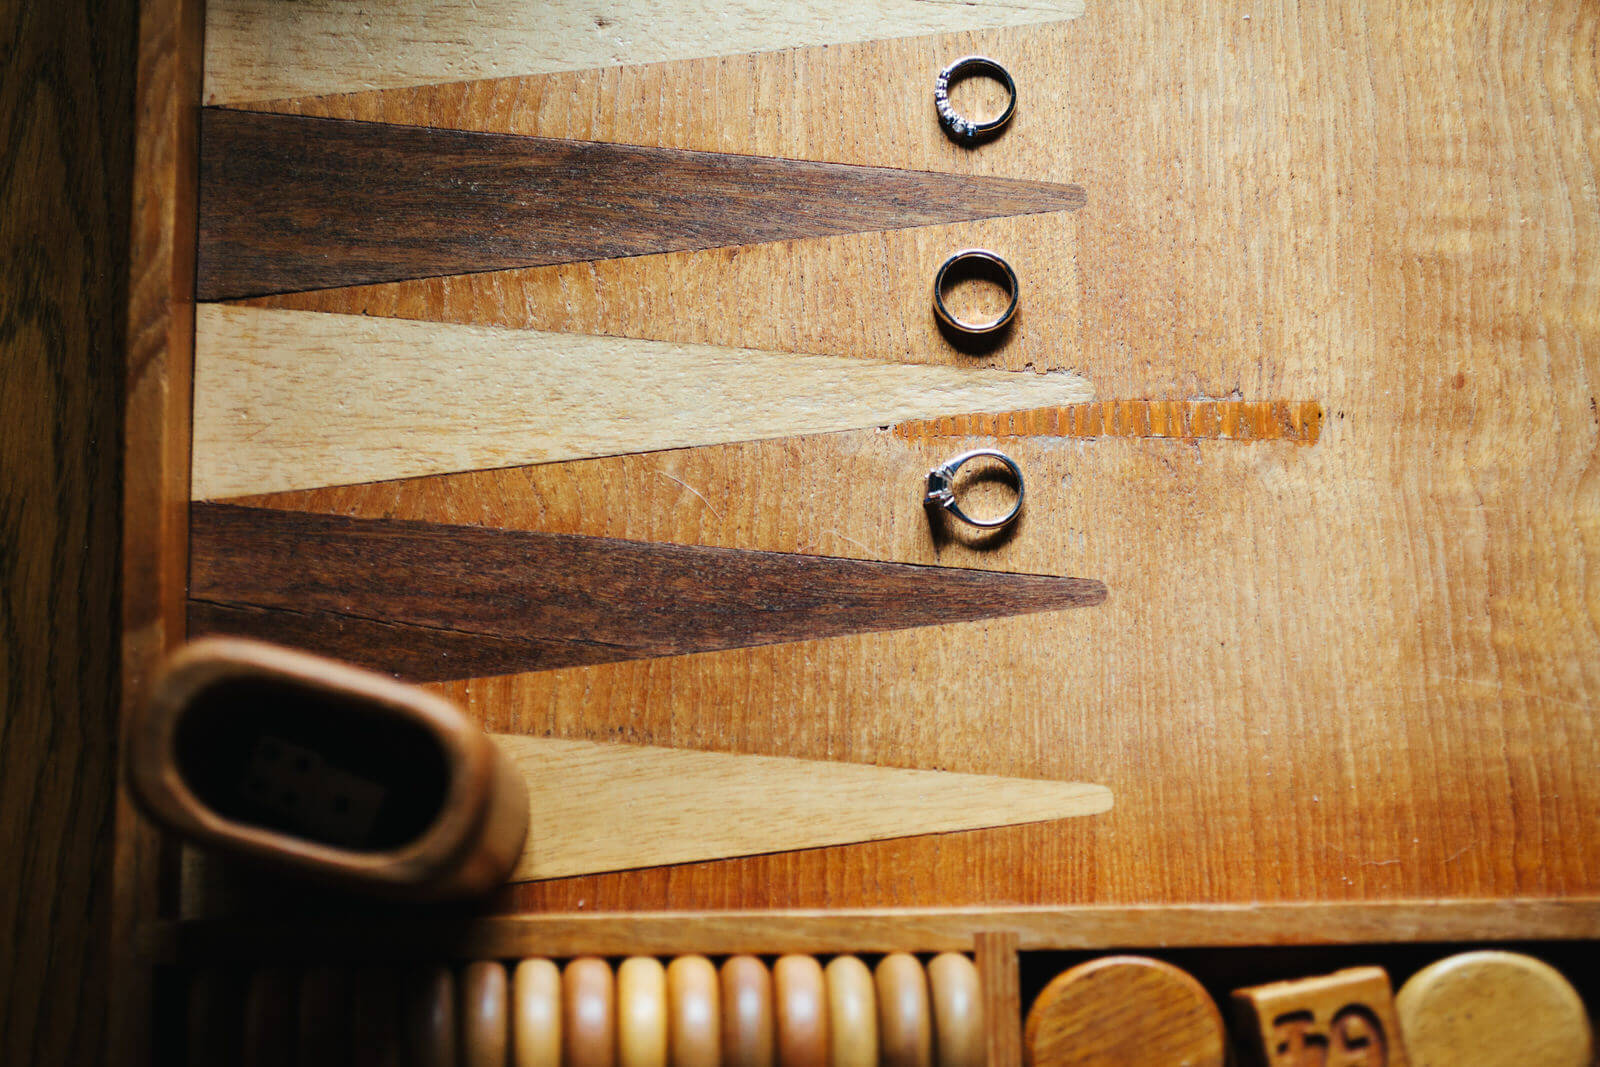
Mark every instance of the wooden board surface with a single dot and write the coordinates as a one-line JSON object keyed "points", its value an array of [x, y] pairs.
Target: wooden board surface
{"points": [[294, 400], [256, 54], [610, 807], [1362, 668], [428, 601], [155, 468], [291, 203], [1125, 1009]]}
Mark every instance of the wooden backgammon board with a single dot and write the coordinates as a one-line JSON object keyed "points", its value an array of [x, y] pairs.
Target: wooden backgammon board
{"points": [[577, 361]]}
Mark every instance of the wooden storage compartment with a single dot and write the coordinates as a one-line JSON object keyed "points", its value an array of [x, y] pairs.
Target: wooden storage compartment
{"points": [[213, 996]]}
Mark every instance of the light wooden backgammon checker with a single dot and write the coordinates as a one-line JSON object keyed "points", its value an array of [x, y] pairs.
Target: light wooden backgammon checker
{"points": [[582, 368]]}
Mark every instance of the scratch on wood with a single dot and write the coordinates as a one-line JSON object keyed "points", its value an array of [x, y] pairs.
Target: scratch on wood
{"points": [[692, 489], [1187, 420]]}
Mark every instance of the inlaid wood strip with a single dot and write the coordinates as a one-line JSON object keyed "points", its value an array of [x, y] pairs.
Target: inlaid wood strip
{"points": [[259, 49], [296, 400], [396, 589], [415, 653], [1299, 422], [607, 807], [290, 203], [861, 295], [800, 103]]}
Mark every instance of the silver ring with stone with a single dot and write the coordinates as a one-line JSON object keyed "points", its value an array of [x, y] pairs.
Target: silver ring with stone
{"points": [[941, 488]]}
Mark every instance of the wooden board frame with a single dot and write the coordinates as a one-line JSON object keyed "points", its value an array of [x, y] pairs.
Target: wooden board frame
{"points": [[145, 933], [202, 941], [155, 494]]}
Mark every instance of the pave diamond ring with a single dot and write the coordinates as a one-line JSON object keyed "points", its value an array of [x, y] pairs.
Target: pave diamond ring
{"points": [[965, 131]]}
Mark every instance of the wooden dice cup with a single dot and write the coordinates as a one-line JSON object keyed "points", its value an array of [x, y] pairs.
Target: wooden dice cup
{"points": [[470, 846]]}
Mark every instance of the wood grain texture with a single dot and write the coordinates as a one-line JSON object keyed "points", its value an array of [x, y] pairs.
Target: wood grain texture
{"points": [[257, 49], [1185, 420], [1495, 1009], [607, 806], [866, 102], [995, 955], [290, 203], [1363, 670], [414, 594], [867, 296], [155, 463], [852, 495], [66, 110], [288, 400], [1125, 1009]]}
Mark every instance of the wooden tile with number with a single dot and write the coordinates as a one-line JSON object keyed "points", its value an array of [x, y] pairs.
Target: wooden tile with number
{"points": [[1344, 1019]]}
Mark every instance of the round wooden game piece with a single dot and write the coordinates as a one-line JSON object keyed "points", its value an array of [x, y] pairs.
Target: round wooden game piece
{"points": [[1124, 1009], [746, 1013], [269, 1019], [1492, 1008], [694, 1023], [377, 1031], [852, 1014], [536, 1014], [588, 1013], [324, 1021], [485, 1014], [215, 1017], [958, 1035], [905, 1022], [430, 1017], [801, 997], [641, 1013]]}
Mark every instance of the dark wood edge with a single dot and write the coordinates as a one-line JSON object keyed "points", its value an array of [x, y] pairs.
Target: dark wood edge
{"points": [[155, 470], [1093, 928]]}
